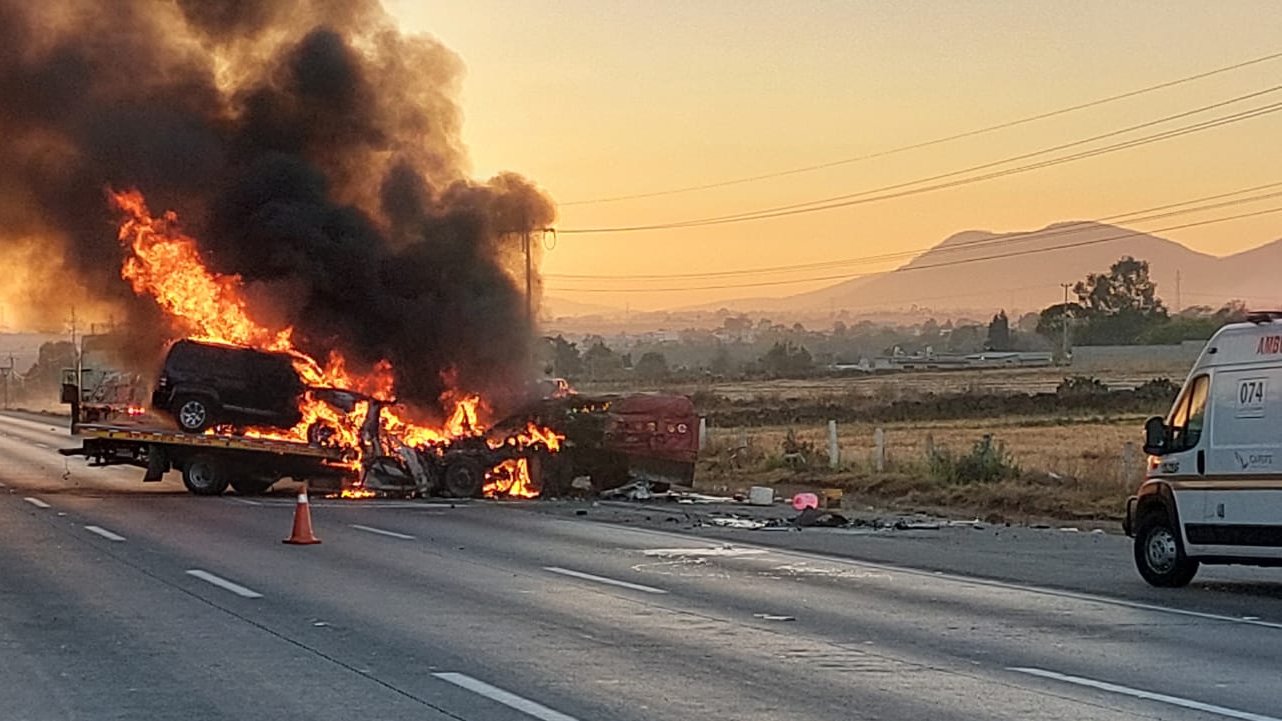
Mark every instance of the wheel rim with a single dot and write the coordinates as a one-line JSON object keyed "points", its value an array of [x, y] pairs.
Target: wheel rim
{"points": [[1161, 551], [192, 414], [200, 476]]}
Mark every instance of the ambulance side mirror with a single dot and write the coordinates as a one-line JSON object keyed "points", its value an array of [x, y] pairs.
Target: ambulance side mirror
{"points": [[1155, 435]]}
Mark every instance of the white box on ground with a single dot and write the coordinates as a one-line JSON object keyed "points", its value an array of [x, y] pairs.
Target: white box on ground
{"points": [[761, 496]]}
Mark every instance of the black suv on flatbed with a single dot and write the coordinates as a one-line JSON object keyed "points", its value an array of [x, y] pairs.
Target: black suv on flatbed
{"points": [[205, 384]]}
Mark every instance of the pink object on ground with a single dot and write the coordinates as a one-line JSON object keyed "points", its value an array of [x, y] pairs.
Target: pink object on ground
{"points": [[802, 501]]}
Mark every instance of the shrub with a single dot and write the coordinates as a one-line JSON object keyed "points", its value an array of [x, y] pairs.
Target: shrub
{"points": [[987, 461], [1078, 386]]}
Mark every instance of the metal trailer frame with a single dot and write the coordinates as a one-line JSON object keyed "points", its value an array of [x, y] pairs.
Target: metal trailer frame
{"points": [[211, 462]]}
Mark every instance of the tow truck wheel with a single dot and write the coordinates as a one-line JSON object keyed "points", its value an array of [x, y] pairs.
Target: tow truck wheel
{"points": [[192, 413], [464, 478], [1159, 552], [247, 486], [204, 476]]}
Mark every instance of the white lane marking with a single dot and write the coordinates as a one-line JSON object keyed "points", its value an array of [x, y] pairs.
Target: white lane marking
{"points": [[36, 502], [507, 698], [381, 532], [603, 579], [246, 501], [1146, 695], [99, 530], [38, 444], [220, 582], [979, 581]]}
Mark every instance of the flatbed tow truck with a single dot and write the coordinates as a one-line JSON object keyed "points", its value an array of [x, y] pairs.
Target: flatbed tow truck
{"points": [[209, 463]]}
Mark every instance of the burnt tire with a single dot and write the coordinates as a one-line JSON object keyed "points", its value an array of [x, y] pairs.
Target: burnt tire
{"points": [[204, 476], [252, 486], [1159, 552], [193, 414], [463, 478]]}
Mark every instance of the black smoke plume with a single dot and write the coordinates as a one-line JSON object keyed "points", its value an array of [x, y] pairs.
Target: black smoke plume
{"points": [[311, 146]]}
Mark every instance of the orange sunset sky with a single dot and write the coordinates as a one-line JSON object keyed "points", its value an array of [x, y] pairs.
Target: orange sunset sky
{"points": [[600, 99]]}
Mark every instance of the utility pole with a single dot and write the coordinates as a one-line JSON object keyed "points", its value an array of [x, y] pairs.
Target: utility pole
{"points": [[7, 371], [529, 279], [1064, 320]]}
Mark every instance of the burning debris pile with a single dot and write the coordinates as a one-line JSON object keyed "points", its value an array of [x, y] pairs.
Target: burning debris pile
{"points": [[315, 151]]}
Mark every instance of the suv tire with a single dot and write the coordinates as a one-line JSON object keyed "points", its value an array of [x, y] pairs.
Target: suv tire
{"points": [[463, 478], [1159, 552], [193, 413]]}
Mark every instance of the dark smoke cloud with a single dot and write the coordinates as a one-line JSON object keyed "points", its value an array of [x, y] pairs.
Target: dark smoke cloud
{"points": [[313, 149]]}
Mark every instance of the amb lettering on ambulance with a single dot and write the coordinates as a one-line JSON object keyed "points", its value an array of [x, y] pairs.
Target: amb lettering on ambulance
{"points": [[1213, 491]]}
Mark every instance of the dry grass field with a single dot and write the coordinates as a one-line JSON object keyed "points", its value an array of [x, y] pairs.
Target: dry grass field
{"points": [[1067, 468]]}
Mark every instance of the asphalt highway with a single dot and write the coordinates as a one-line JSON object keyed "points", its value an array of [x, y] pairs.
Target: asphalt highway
{"points": [[120, 600]]}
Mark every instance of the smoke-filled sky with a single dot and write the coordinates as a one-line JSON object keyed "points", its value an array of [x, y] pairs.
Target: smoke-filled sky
{"points": [[311, 146], [601, 99]]}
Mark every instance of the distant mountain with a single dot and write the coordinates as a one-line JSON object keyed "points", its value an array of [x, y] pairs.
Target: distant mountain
{"points": [[553, 307], [983, 271]]}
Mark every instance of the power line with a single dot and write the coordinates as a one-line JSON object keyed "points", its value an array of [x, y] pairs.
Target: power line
{"points": [[904, 189], [945, 264], [935, 141], [1143, 215]]}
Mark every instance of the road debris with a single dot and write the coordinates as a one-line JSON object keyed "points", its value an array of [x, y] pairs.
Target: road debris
{"points": [[815, 518], [802, 501], [750, 524], [773, 617]]}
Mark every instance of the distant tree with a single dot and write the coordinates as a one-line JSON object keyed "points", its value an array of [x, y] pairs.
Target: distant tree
{"points": [[1125, 289], [652, 366], [966, 339], [1234, 311], [787, 359], [839, 329], [566, 360], [602, 362], [737, 323], [1052, 320], [999, 335], [721, 362], [1027, 323]]}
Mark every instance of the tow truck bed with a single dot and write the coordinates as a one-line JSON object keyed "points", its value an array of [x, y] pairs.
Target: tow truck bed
{"points": [[211, 462]]}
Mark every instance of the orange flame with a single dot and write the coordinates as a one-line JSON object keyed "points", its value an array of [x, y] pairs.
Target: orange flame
{"points": [[510, 479]]}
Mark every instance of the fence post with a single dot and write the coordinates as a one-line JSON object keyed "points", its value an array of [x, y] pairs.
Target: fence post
{"points": [[879, 453], [834, 451], [1128, 462], [703, 433], [930, 446]]}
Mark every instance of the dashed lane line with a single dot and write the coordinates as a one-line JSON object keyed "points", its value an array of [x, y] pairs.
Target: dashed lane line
{"points": [[223, 583], [1145, 695], [507, 698], [603, 579]]}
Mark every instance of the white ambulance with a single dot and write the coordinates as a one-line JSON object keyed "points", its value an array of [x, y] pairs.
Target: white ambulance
{"points": [[1213, 491]]}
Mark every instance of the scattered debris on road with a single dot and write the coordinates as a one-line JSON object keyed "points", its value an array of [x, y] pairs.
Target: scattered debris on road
{"points": [[773, 617]]}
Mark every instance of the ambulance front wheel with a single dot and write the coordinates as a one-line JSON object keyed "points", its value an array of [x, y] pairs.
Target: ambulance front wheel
{"points": [[1159, 552]]}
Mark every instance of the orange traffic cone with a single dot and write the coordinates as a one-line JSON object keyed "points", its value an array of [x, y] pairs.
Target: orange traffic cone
{"points": [[302, 534]]}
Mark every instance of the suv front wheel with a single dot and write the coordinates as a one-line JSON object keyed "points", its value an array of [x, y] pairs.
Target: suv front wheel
{"points": [[193, 413]]}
